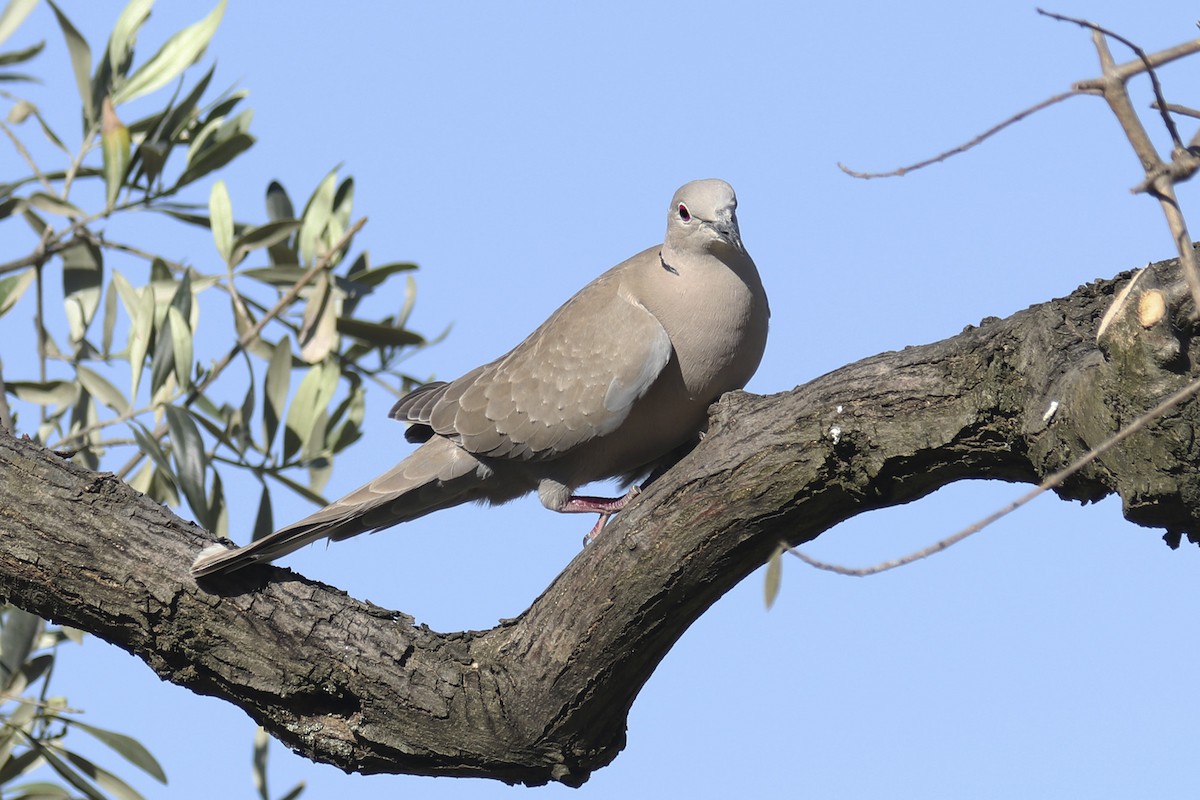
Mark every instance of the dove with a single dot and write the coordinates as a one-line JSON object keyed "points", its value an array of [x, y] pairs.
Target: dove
{"points": [[613, 385]]}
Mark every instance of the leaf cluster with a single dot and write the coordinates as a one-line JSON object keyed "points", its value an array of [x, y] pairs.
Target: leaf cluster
{"points": [[249, 361], [35, 724]]}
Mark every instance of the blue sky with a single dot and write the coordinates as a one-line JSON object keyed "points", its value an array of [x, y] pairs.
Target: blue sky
{"points": [[516, 151]]}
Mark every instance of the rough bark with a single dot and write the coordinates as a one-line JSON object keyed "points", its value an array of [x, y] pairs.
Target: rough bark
{"points": [[544, 697]]}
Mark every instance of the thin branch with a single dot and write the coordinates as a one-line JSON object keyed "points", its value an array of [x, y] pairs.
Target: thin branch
{"points": [[77, 163], [1141, 54], [1175, 108], [962, 148]]}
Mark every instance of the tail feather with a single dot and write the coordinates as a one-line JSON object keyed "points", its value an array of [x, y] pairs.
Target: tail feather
{"points": [[439, 474]]}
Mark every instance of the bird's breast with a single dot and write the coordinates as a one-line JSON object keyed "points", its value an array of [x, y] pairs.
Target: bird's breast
{"points": [[717, 324]]}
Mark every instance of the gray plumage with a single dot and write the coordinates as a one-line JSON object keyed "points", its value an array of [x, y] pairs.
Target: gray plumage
{"points": [[615, 381]]}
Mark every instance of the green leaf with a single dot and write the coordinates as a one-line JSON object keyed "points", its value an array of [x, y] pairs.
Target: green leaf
{"points": [[163, 487], [184, 114], [774, 577], [15, 767], [65, 771], [339, 218], [261, 744], [13, 15], [49, 133], [241, 430], [225, 104], [180, 52], [294, 792], [20, 56], [179, 213], [191, 462], [379, 335], [150, 447], [163, 131], [181, 345], [129, 295], [30, 672], [59, 393], [17, 724], [83, 277], [312, 398], [183, 292], [81, 61], [10, 206], [218, 510], [37, 223], [128, 748], [55, 205], [114, 144], [141, 330], [124, 34], [215, 157], [161, 273], [220, 214], [279, 375], [141, 334], [162, 362], [21, 111], [264, 521], [17, 639], [354, 407], [279, 205], [12, 287], [104, 779], [377, 275], [102, 390], [110, 318], [280, 276], [316, 218], [262, 236], [318, 330], [314, 445]]}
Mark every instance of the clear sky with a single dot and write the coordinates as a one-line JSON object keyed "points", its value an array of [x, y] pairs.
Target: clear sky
{"points": [[517, 150]]}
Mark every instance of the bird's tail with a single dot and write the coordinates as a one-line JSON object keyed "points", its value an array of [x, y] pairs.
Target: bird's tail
{"points": [[439, 474]]}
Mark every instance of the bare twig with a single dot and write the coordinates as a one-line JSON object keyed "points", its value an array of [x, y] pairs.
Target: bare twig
{"points": [[962, 148], [1175, 108], [1141, 54]]}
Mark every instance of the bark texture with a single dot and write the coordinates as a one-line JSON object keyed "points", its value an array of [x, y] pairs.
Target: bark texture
{"points": [[545, 697]]}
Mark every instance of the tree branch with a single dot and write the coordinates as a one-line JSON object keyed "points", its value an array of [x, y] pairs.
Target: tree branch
{"points": [[544, 697]]}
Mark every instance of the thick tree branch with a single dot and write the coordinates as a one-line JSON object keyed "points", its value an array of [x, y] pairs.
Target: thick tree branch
{"points": [[545, 697]]}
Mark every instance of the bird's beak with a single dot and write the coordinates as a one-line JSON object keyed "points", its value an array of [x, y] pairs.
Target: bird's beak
{"points": [[727, 229]]}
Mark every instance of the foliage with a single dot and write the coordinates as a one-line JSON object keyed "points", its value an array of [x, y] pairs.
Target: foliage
{"points": [[125, 370], [36, 724]]}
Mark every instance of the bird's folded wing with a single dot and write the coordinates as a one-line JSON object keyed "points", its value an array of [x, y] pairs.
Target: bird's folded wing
{"points": [[574, 379]]}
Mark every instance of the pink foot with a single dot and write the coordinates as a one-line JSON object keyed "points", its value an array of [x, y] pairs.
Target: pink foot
{"points": [[604, 506]]}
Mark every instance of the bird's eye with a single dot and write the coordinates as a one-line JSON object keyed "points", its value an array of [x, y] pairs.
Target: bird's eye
{"points": [[683, 213]]}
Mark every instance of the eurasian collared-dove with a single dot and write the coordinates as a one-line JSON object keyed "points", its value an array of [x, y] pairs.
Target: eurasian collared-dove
{"points": [[613, 383]]}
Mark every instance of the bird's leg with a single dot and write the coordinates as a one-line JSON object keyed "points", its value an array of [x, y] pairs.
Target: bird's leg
{"points": [[604, 506]]}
